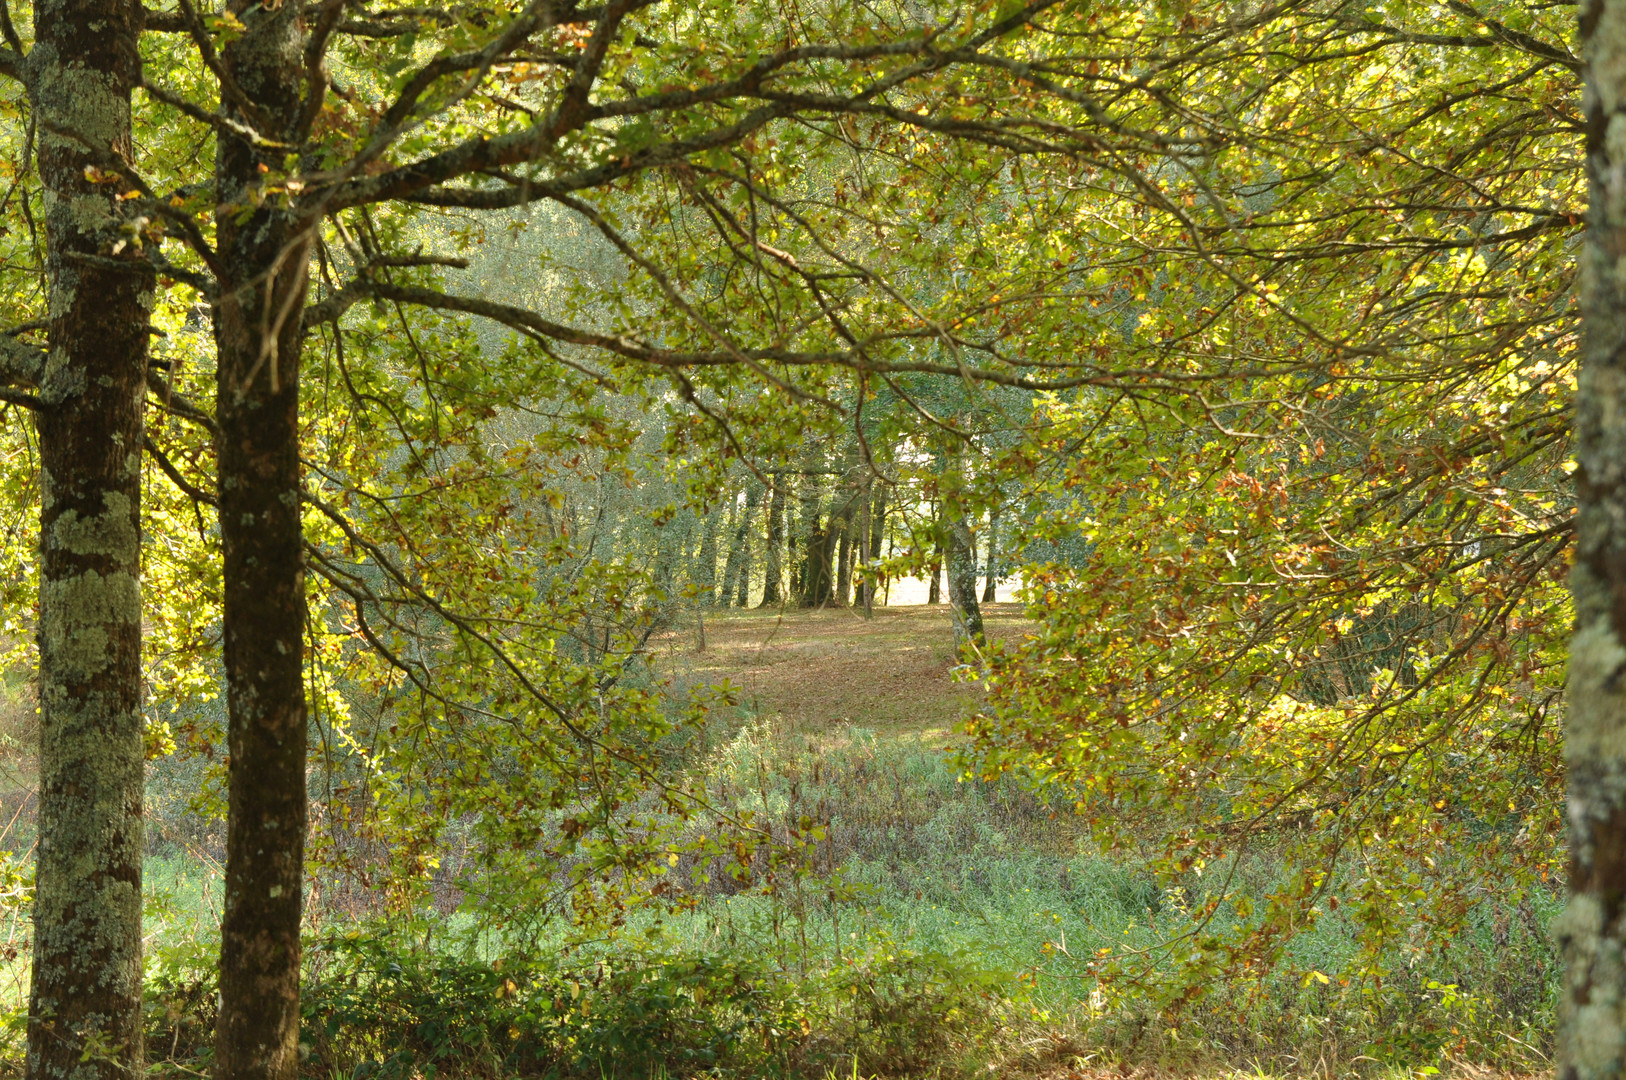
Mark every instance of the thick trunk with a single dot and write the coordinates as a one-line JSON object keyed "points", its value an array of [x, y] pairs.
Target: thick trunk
{"points": [[773, 562], [991, 567], [844, 564], [263, 253], [1591, 931], [85, 998]]}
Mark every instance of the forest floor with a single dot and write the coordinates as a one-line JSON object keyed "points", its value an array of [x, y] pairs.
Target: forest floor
{"points": [[892, 672], [858, 717]]}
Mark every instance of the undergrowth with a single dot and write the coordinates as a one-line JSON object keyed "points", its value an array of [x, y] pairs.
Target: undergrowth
{"points": [[944, 928], [952, 941]]}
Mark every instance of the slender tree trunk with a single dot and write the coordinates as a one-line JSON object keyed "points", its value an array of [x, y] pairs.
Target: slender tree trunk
{"points": [[1591, 932], [844, 554], [824, 589], [773, 560], [991, 567], [877, 533], [263, 251], [935, 595], [866, 587], [731, 562], [753, 499], [86, 983]]}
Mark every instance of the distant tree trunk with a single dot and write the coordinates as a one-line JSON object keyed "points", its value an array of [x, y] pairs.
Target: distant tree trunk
{"points": [[773, 560], [753, 499], [935, 595], [844, 562], [962, 580], [877, 532], [991, 567], [706, 561], [264, 252], [1591, 932], [812, 575], [86, 981], [731, 562]]}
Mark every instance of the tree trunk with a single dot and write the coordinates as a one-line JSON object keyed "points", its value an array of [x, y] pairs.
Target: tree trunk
{"points": [[961, 554], [263, 253], [85, 997], [991, 567], [731, 563], [877, 532], [774, 559], [935, 595], [813, 574], [1591, 932], [753, 499], [844, 561], [812, 577]]}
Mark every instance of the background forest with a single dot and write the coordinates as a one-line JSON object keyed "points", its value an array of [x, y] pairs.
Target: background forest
{"points": [[823, 537]]}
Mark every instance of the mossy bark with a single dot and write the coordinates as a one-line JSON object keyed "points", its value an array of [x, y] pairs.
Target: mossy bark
{"points": [[85, 997], [264, 252], [960, 551], [1592, 930]]}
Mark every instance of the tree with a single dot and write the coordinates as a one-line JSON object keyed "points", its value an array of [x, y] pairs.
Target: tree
{"points": [[1592, 1028], [1310, 554], [635, 126], [86, 995]]}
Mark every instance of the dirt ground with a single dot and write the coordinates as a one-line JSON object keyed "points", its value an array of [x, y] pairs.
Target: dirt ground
{"points": [[832, 666]]}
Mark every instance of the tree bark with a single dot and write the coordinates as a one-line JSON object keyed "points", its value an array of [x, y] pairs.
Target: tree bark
{"points": [[774, 558], [1591, 932], [810, 536], [877, 532], [263, 252], [753, 499], [85, 997], [961, 551], [991, 568], [844, 555], [935, 594]]}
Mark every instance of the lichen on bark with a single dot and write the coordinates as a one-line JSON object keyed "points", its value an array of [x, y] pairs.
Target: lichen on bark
{"points": [[1592, 932], [85, 998]]}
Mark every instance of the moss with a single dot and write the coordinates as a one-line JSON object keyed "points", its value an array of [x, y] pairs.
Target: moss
{"points": [[74, 613]]}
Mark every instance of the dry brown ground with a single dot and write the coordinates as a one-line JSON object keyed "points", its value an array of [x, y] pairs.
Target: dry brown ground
{"points": [[817, 669]]}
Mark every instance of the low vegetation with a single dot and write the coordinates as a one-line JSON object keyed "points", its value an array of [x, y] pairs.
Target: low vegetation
{"points": [[937, 925]]}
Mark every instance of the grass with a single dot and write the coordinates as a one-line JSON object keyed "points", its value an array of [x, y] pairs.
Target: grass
{"points": [[848, 723]]}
